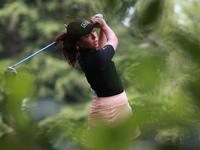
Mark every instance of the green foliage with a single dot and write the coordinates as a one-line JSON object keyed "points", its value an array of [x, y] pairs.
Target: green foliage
{"points": [[157, 59], [4, 128], [105, 6], [70, 127]]}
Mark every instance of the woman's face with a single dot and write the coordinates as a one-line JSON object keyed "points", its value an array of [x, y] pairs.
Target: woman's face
{"points": [[89, 41]]}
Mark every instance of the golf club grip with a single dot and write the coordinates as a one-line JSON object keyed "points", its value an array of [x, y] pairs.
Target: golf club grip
{"points": [[33, 54]]}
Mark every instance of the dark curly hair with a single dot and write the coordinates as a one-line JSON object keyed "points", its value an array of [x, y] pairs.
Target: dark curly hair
{"points": [[69, 49]]}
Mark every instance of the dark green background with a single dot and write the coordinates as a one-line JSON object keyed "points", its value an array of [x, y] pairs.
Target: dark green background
{"points": [[158, 56]]}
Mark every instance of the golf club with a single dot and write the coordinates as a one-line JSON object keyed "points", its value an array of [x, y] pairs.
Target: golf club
{"points": [[10, 72]]}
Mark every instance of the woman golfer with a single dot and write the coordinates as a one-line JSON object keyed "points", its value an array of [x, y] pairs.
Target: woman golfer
{"points": [[94, 54]]}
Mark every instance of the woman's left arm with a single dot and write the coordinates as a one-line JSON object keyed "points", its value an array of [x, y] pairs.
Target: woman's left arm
{"points": [[102, 37]]}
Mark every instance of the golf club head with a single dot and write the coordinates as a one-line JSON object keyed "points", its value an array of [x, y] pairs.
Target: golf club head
{"points": [[10, 74]]}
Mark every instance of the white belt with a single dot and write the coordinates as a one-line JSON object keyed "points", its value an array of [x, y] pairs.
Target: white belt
{"points": [[93, 92]]}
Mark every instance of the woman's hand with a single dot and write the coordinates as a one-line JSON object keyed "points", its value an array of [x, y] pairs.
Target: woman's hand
{"points": [[99, 20]]}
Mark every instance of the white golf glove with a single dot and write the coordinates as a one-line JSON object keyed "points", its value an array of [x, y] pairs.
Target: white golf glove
{"points": [[99, 16]]}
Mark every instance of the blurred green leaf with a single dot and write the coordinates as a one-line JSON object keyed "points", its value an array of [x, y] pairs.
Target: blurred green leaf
{"points": [[157, 59]]}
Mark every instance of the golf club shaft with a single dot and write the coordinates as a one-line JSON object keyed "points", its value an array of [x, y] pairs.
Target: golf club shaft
{"points": [[33, 54]]}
